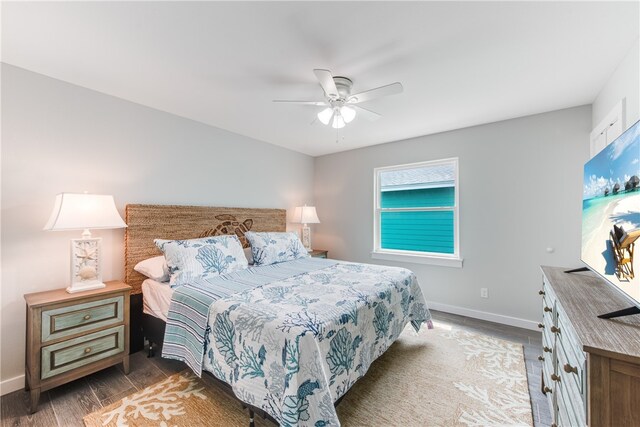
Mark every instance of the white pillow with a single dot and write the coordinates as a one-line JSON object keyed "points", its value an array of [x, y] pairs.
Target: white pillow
{"points": [[154, 268], [206, 257], [272, 248]]}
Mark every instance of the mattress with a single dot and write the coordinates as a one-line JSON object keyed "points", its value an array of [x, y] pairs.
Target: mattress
{"points": [[156, 298]]}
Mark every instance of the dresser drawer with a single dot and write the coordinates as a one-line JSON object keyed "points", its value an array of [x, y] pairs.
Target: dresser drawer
{"points": [[73, 319], [547, 371], [548, 341], [71, 354], [548, 308], [571, 368], [572, 388], [568, 334], [571, 351], [549, 294], [549, 364], [548, 319], [570, 411], [562, 415], [571, 360]]}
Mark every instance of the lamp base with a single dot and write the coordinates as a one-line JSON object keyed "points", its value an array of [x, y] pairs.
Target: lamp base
{"points": [[306, 237], [80, 287]]}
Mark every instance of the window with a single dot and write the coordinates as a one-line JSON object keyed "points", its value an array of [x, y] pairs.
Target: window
{"points": [[416, 213]]}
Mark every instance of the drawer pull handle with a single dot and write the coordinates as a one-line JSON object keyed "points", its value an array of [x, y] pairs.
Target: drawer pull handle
{"points": [[555, 377], [541, 358], [546, 349], [540, 325], [555, 330], [569, 369], [87, 316], [541, 293], [87, 350], [547, 390], [548, 309]]}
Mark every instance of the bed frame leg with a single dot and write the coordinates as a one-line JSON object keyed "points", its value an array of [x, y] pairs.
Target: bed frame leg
{"points": [[151, 352], [251, 416]]}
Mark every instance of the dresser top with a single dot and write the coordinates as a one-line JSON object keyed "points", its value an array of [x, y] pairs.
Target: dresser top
{"points": [[55, 296], [584, 296]]}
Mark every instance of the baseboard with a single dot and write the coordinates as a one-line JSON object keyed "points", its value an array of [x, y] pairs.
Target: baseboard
{"points": [[483, 315], [11, 385]]}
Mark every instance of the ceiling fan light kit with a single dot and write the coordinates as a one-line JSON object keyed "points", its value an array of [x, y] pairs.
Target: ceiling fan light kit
{"points": [[338, 122], [340, 116], [325, 115], [348, 114], [340, 105]]}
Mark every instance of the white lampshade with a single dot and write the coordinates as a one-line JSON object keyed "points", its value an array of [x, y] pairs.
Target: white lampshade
{"points": [[74, 211], [348, 114], [305, 215], [325, 115], [338, 122]]}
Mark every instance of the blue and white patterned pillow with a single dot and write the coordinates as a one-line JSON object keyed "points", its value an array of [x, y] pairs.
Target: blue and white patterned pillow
{"points": [[271, 248], [206, 257]]}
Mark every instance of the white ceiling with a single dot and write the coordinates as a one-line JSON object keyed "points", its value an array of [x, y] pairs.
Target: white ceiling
{"points": [[222, 63]]}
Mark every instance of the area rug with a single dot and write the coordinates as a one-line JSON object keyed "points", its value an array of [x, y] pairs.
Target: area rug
{"points": [[441, 377]]}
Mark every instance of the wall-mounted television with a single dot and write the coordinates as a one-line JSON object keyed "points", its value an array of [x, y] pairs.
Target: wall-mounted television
{"points": [[611, 216]]}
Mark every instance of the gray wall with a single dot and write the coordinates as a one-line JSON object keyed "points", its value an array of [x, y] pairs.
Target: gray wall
{"points": [[623, 83], [520, 192], [59, 137]]}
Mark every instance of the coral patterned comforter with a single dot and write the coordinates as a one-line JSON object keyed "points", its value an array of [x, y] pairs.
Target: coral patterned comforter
{"points": [[294, 346]]}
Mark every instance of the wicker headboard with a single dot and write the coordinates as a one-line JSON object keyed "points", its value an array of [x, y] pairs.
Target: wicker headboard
{"points": [[148, 222]]}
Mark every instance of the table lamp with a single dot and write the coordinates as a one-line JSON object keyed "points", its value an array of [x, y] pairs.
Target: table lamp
{"points": [[306, 215], [74, 211]]}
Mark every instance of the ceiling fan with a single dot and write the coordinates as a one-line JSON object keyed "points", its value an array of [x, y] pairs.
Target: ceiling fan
{"points": [[341, 105]]}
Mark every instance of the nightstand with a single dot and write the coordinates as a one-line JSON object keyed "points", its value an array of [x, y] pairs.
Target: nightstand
{"points": [[73, 335], [318, 253]]}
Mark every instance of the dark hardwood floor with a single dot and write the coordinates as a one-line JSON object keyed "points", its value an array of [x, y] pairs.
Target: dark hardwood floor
{"points": [[65, 406]]}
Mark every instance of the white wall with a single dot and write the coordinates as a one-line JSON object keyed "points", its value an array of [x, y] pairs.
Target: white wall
{"points": [[623, 83], [520, 192], [59, 137]]}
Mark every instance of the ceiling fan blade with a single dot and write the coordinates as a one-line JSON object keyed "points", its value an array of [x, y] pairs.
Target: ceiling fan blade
{"points": [[326, 81], [368, 95], [314, 103], [372, 116]]}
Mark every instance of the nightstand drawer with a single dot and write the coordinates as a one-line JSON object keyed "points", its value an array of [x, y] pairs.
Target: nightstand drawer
{"points": [[78, 318], [67, 355]]}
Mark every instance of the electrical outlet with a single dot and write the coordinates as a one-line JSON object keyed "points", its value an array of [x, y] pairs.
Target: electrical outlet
{"points": [[484, 293]]}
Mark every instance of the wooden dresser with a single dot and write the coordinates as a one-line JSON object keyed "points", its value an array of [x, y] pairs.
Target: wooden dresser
{"points": [[72, 335], [590, 366]]}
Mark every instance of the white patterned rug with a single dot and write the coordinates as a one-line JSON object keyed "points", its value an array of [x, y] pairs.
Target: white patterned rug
{"points": [[440, 377]]}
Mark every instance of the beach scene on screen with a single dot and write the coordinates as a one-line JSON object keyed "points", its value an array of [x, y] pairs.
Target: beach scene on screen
{"points": [[611, 197]]}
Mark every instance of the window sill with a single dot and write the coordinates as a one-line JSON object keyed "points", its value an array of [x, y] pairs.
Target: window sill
{"points": [[443, 261]]}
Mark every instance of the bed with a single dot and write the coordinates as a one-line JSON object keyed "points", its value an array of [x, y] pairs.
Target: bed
{"points": [[288, 340]]}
